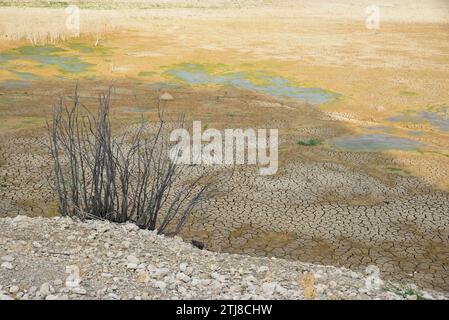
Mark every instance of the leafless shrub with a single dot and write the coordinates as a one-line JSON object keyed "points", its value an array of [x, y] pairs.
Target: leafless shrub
{"points": [[128, 177]]}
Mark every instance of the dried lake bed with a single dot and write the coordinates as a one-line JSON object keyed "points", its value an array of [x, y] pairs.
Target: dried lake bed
{"points": [[372, 188]]}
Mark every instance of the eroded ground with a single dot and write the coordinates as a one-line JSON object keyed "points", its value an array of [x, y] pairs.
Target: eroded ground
{"points": [[374, 191]]}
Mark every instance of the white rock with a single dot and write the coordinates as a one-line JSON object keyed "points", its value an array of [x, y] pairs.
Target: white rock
{"points": [[166, 96], [14, 289], [280, 289], [46, 289], [104, 227], [114, 296], [321, 288], [106, 275], [183, 266], [37, 244], [200, 282], [268, 288], [218, 276], [74, 279], [183, 277], [79, 290], [131, 266], [133, 259], [159, 272], [161, 285], [8, 258], [7, 265], [130, 227], [112, 288], [143, 276], [57, 282], [263, 269], [20, 218], [427, 296]]}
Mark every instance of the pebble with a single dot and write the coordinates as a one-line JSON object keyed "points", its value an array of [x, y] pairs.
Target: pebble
{"points": [[166, 268], [161, 285], [46, 289], [183, 266], [132, 259], [79, 290], [14, 289], [263, 269], [57, 282], [131, 265], [8, 258], [37, 244], [183, 277], [268, 288]]}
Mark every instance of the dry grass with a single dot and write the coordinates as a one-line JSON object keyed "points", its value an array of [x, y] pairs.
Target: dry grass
{"points": [[48, 26]]}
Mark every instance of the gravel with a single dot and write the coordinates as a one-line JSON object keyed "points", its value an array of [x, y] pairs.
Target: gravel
{"points": [[61, 258]]}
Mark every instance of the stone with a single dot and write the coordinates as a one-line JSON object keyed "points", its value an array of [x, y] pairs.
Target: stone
{"points": [[37, 245], [74, 279], [167, 268], [218, 277], [268, 288], [183, 266], [20, 218], [131, 266], [133, 259], [79, 291], [161, 285], [8, 258], [14, 289], [46, 289], [57, 282], [143, 277], [160, 272], [102, 228], [183, 277], [7, 265], [166, 97], [263, 269]]}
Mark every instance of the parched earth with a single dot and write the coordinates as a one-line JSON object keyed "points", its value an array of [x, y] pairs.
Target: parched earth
{"points": [[61, 258], [320, 212], [328, 213]]}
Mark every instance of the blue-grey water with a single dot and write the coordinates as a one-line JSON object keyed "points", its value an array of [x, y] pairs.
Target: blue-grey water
{"points": [[47, 56], [375, 142], [438, 118], [275, 86]]}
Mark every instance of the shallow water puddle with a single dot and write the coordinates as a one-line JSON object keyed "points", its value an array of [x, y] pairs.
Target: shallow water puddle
{"points": [[24, 80], [260, 81], [438, 117], [15, 84], [375, 142], [47, 56]]}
